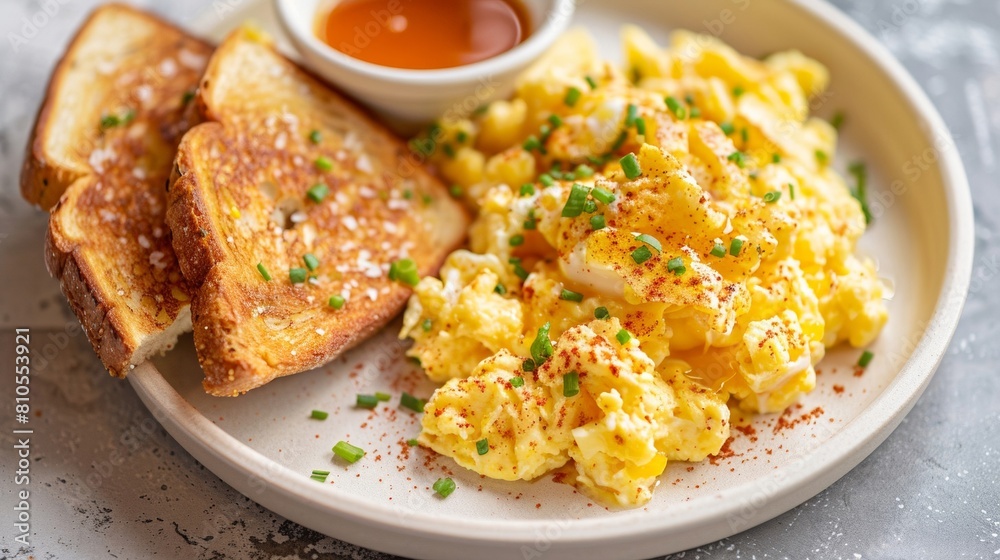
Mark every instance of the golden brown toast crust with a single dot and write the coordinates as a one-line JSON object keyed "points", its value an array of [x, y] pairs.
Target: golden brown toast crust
{"points": [[239, 198], [107, 241]]}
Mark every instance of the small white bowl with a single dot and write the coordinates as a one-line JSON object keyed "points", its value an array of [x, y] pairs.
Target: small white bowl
{"points": [[408, 97]]}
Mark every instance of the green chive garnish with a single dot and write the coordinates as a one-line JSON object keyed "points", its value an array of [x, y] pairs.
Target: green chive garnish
{"points": [[517, 381], [426, 325], [516, 240], [791, 191], [727, 128], [583, 171], [297, 275], [676, 265], [263, 272], [519, 270], [572, 96], [323, 163], [641, 254], [597, 222], [412, 442], [776, 158], [546, 180], [541, 347], [589, 206], [718, 250], [838, 120], [337, 301], [623, 337], [448, 150], [630, 165], [500, 289], [631, 113], [531, 143], [694, 112], [483, 446], [315, 137], [591, 82], [384, 397], [318, 192], [772, 197], [312, 263], [822, 157], [444, 487], [348, 452], [602, 313], [456, 191], [527, 189], [187, 97], [738, 158], [738, 91], [461, 137], [735, 246], [571, 384], [367, 401], [860, 191], [575, 202], [528, 365], [675, 107], [602, 195], [640, 125], [649, 240], [744, 134], [865, 359], [319, 414], [555, 120], [404, 271], [413, 403], [619, 142], [570, 295]]}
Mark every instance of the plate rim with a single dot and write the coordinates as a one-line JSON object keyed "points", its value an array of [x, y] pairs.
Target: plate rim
{"points": [[854, 440]]}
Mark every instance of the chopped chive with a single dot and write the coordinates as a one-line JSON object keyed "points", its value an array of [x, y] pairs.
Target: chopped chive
{"points": [[448, 150], [591, 82], [555, 120], [675, 107], [791, 191], [718, 250], [735, 246], [689, 99], [631, 113], [860, 192], [426, 325], [528, 365], [516, 240], [427, 199], [455, 191], [589, 206], [348, 452], [319, 414], [187, 97], [744, 134], [866, 358], [649, 240], [838, 120], [461, 137], [583, 171], [572, 96], [263, 272], [519, 270], [541, 347], [822, 157], [574, 204], [776, 158], [602, 313], [318, 192], [366, 401], [694, 112], [323, 163], [738, 158], [676, 265], [408, 194], [337, 301], [516, 381], [630, 165], [546, 180], [738, 91], [619, 142], [571, 384], [602, 195], [641, 254], [412, 442], [500, 289], [570, 295], [531, 223], [640, 125], [772, 197], [312, 263], [527, 189], [483, 446], [404, 271], [413, 403], [384, 397], [623, 336], [319, 476], [444, 487], [597, 222], [297, 275], [315, 136], [727, 128], [531, 143]]}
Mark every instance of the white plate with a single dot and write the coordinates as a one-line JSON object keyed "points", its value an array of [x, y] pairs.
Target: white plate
{"points": [[264, 445]]}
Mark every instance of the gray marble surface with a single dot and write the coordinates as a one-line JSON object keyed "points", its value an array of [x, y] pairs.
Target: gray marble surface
{"points": [[109, 482]]}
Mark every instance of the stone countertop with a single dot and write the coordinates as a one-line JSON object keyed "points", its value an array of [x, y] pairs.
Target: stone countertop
{"points": [[109, 482]]}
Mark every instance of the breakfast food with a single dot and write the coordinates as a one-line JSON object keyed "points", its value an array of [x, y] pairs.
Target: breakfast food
{"points": [[99, 157], [653, 247], [299, 222]]}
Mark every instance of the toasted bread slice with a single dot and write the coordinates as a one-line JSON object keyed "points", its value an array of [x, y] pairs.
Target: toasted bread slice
{"points": [[100, 155], [240, 198]]}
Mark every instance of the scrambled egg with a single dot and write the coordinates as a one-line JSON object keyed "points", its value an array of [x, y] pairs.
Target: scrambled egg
{"points": [[653, 246]]}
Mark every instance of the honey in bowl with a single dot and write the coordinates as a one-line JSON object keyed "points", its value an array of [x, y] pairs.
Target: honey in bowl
{"points": [[424, 34]]}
